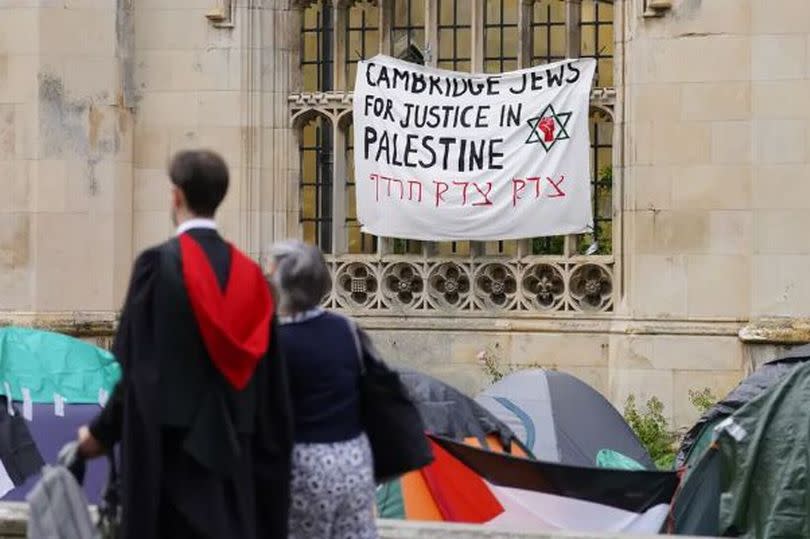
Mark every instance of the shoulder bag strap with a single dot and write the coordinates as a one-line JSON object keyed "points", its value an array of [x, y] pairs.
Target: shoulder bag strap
{"points": [[358, 346]]}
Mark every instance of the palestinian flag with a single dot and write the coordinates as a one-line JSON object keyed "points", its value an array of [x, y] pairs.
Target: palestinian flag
{"points": [[411, 496], [484, 486]]}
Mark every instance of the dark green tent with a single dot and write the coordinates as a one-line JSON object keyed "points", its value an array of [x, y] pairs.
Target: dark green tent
{"points": [[764, 452], [698, 438], [696, 508]]}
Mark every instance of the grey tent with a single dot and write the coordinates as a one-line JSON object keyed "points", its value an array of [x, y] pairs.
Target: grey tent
{"points": [[450, 413], [561, 418]]}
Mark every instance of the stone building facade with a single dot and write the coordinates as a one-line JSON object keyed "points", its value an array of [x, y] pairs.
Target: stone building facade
{"points": [[696, 269]]}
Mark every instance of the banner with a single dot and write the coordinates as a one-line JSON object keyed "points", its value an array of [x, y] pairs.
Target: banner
{"points": [[441, 155]]}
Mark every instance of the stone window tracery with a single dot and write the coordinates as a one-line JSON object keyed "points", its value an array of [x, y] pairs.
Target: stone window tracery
{"points": [[555, 275]]}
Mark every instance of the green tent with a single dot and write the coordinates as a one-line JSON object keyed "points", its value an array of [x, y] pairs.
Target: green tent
{"points": [[696, 506], [49, 364], [764, 451]]}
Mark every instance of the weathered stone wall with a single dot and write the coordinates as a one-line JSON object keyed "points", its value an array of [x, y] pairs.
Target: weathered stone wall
{"points": [[222, 86], [717, 113], [717, 148], [94, 98], [617, 357], [712, 154], [65, 156]]}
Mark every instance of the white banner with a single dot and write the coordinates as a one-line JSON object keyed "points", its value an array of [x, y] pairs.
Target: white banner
{"points": [[441, 155]]}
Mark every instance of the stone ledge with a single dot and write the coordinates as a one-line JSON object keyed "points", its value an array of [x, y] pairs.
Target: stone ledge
{"points": [[13, 517], [784, 331], [73, 323], [553, 324], [398, 529], [787, 331], [103, 323]]}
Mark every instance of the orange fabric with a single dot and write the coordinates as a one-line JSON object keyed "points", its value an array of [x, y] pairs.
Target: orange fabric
{"points": [[518, 452], [460, 494], [472, 441], [419, 502], [494, 444]]}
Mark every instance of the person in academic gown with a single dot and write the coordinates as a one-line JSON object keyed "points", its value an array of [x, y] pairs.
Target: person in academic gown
{"points": [[202, 411]]}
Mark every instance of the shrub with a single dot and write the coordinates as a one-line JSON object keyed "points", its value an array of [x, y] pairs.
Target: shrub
{"points": [[653, 430], [702, 400], [490, 365]]}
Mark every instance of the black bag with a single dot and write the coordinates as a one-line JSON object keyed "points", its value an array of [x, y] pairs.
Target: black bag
{"points": [[391, 420]]}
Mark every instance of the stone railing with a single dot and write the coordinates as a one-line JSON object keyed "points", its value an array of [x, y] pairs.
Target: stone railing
{"points": [[447, 286], [13, 517]]}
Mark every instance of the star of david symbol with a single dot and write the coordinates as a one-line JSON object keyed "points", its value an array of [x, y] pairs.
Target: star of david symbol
{"points": [[549, 127]]}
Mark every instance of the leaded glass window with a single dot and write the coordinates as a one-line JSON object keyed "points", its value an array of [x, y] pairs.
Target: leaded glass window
{"points": [[450, 47]]}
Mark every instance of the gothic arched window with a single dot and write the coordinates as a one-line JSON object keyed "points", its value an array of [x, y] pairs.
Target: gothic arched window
{"points": [[572, 273]]}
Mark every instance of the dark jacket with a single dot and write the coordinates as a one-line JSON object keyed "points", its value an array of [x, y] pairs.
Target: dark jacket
{"points": [[324, 374]]}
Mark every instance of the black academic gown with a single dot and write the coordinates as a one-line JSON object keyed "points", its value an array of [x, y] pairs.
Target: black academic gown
{"points": [[199, 458]]}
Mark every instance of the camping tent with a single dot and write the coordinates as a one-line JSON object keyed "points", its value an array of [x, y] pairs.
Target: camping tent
{"points": [[56, 383], [696, 508], [448, 412], [764, 449], [462, 486], [698, 438], [471, 484], [696, 504], [561, 418]]}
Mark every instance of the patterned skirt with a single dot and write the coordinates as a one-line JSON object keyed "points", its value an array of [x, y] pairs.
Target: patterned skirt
{"points": [[333, 491]]}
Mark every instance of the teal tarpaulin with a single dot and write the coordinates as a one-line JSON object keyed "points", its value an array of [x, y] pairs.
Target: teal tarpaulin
{"points": [[49, 363], [607, 458]]}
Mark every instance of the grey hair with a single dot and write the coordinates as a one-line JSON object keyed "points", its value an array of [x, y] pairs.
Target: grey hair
{"points": [[300, 277]]}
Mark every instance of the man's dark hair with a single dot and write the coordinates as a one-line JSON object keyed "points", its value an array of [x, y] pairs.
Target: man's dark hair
{"points": [[202, 176]]}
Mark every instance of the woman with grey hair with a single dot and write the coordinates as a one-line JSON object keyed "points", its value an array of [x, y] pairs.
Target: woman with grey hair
{"points": [[332, 491]]}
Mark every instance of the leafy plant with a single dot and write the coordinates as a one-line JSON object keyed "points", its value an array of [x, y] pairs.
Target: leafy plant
{"points": [[400, 246], [551, 245], [495, 371], [702, 400], [606, 175], [490, 365], [653, 430]]}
